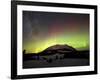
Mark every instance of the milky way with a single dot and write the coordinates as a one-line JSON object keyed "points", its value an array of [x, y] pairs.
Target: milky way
{"points": [[44, 29]]}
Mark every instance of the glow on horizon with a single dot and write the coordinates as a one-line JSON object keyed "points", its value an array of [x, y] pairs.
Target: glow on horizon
{"points": [[79, 42]]}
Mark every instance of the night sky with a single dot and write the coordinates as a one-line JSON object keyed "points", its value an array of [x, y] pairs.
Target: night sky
{"points": [[44, 29]]}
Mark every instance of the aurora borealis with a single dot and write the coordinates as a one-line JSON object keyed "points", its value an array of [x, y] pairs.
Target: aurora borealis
{"points": [[44, 29]]}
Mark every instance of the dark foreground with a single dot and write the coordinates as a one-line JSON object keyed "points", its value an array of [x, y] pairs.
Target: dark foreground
{"points": [[57, 63], [56, 60]]}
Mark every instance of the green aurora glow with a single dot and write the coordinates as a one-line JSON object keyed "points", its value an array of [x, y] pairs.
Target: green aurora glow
{"points": [[74, 35], [79, 42]]}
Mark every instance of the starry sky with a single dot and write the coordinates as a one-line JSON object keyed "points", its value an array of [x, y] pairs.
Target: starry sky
{"points": [[44, 29]]}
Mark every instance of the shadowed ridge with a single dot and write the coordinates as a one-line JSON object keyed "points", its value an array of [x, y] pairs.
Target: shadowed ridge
{"points": [[60, 49], [58, 46]]}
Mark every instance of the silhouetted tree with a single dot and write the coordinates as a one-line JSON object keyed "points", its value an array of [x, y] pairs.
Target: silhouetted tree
{"points": [[49, 60], [24, 57], [24, 51], [56, 57]]}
